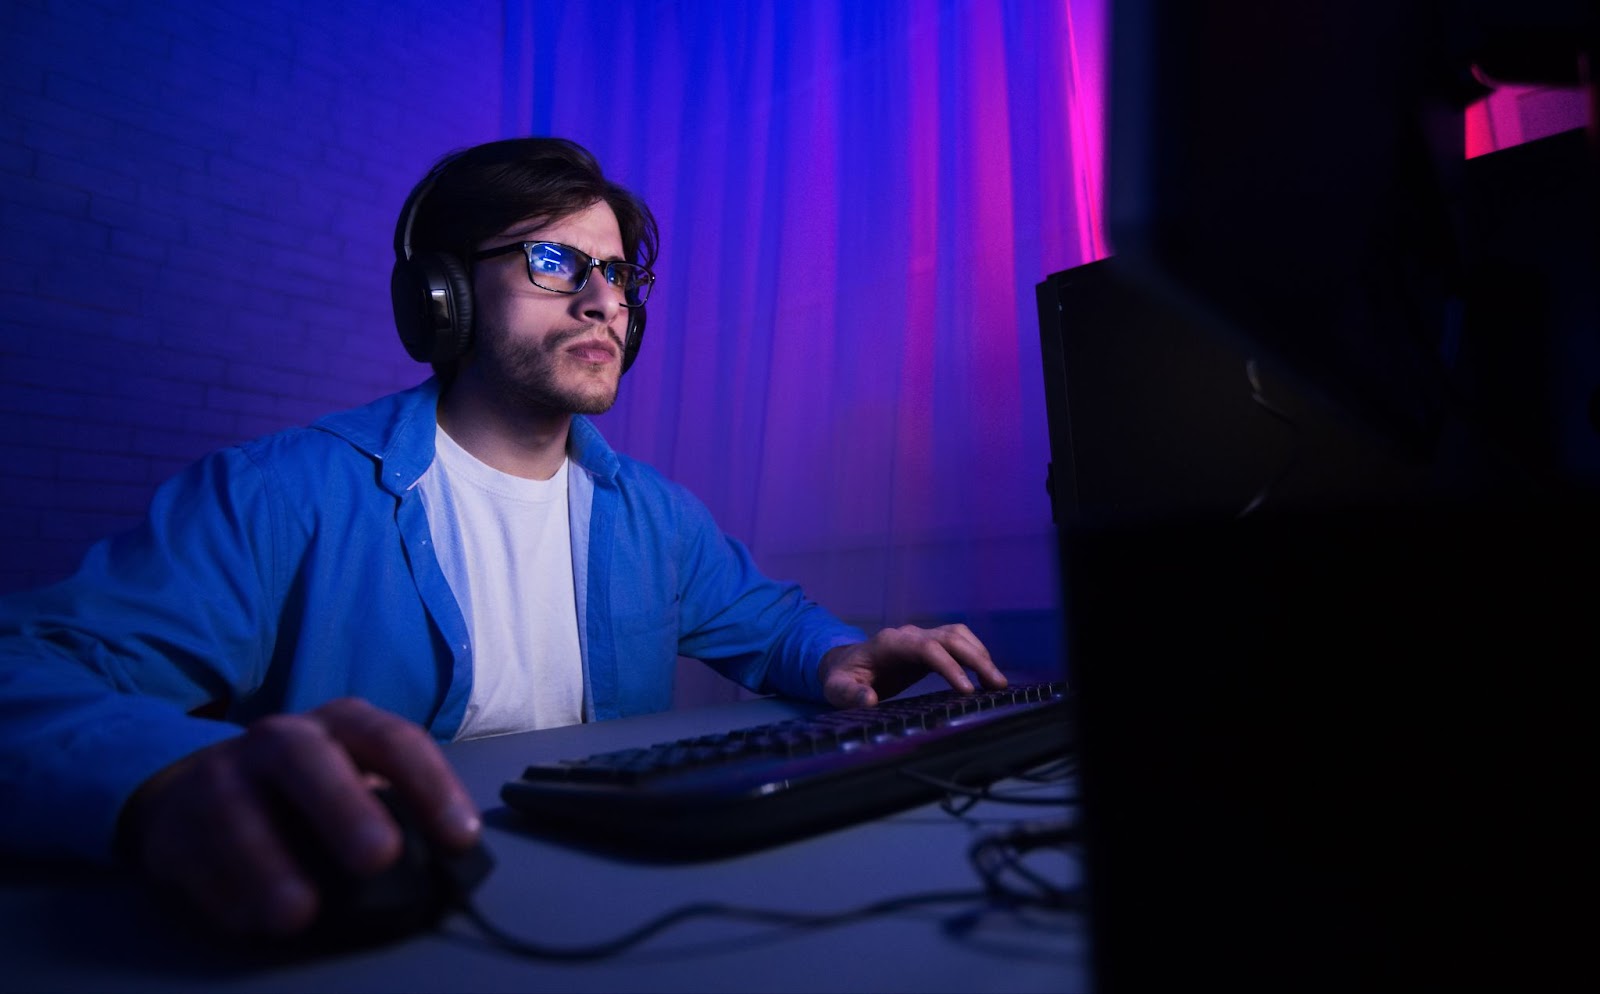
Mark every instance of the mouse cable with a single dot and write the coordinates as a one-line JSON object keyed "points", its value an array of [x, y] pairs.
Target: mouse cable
{"points": [[997, 858], [712, 909]]}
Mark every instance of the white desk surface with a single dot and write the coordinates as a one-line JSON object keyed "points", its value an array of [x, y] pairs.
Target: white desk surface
{"points": [[75, 929]]}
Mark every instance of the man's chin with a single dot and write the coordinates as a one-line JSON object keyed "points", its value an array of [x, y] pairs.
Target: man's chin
{"points": [[589, 398], [596, 396], [595, 405], [554, 389]]}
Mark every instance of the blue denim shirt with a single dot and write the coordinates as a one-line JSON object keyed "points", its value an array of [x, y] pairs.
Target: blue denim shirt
{"points": [[298, 568]]}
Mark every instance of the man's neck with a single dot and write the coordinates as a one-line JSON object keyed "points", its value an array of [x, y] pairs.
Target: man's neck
{"points": [[529, 444]]}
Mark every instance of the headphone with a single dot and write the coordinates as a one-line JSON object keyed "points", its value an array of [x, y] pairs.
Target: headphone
{"points": [[432, 292]]}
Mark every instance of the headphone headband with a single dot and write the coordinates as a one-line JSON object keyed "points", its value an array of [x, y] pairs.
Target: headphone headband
{"points": [[408, 213]]}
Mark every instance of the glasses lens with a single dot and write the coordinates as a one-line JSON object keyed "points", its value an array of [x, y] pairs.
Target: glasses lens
{"points": [[556, 267], [634, 282]]}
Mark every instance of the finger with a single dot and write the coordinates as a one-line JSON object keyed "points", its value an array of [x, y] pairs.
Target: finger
{"points": [[408, 757], [925, 647], [321, 787], [971, 653], [211, 835]]}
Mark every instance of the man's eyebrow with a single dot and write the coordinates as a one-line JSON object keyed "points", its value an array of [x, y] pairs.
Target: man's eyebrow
{"points": [[521, 232]]}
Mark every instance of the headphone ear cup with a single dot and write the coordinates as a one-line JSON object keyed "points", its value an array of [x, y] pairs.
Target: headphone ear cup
{"points": [[630, 348], [432, 298]]}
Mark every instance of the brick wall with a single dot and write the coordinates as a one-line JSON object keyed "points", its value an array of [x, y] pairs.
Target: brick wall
{"points": [[197, 199]]}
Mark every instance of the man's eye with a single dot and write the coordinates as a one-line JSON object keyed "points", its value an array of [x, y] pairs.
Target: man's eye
{"points": [[548, 261]]}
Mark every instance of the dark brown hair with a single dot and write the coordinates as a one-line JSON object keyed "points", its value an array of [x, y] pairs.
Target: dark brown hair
{"points": [[485, 189]]}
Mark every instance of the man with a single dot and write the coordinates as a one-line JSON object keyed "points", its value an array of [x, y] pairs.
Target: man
{"points": [[310, 613]]}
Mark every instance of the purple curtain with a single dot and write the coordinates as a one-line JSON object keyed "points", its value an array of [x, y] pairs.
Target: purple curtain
{"points": [[857, 200]]}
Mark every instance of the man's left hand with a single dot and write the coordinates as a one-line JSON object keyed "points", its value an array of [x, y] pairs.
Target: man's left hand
{"points": [[859, 675]]}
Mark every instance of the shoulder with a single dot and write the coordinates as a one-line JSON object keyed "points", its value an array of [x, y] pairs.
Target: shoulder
{"points": [[635, 473], [379, 426], [642, 484], [332, 459], [396, 430], [301, 459], [635, 498], [611, 469]]}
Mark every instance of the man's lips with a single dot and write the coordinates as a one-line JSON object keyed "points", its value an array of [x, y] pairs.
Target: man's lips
{"points": [[592, 350]]}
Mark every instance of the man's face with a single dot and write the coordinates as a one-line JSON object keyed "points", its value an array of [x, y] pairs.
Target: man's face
{"points": [[537, 348]]}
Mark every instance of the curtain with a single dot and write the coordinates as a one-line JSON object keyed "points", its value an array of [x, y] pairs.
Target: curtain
{"points": [[857, 200]]}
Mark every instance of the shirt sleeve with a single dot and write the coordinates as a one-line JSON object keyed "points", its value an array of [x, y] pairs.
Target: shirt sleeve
{"points": [[764, 634], [100, 674]]}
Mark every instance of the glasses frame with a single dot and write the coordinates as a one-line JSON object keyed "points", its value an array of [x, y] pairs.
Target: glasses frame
{"points": [[607, 268]]}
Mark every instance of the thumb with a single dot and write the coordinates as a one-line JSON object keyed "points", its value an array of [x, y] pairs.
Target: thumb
{"points": [[861, 695], [849, 691]]}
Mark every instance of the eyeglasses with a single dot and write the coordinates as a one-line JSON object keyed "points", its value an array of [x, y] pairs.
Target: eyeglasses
{"points": [[564, 269]]}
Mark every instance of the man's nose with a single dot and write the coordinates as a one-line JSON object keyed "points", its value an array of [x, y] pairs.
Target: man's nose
{"points": [[599, 300]]}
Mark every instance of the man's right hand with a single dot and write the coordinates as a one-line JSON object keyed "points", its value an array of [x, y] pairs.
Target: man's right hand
{"points": [[210, 825]]}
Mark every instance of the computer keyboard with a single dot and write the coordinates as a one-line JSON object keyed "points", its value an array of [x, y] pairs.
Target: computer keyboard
{"points": [[754, 787]]}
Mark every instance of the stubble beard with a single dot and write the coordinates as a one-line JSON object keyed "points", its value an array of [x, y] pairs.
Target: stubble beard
{"points": [[528, 374]]}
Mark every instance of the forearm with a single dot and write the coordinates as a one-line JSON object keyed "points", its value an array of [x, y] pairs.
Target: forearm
{"points": [[98, 673], [75, 749]]}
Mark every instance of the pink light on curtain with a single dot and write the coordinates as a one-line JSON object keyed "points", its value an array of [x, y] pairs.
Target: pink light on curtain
{"points": [[1086, 48], [857, 199]]}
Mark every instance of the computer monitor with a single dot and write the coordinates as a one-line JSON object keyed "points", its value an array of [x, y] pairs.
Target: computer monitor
{"points": [[1332, 739]]}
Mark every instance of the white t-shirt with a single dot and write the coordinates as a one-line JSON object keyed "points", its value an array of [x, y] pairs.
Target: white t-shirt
{"points": [[506, 549]]}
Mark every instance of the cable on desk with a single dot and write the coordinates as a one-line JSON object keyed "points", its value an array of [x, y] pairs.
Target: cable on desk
{"points": [[1052, 772], [765, 916], [998, 858], [969, 796], [995, 858]]}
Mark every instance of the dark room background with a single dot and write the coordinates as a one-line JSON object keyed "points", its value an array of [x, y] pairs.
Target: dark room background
{"points": [[857, 199]]}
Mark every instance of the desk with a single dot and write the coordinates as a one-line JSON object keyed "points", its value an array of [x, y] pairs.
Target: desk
{"points": [[76, 929]]}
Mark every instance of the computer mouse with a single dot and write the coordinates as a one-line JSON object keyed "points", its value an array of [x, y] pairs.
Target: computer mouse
{"points": [[410, 896]]}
